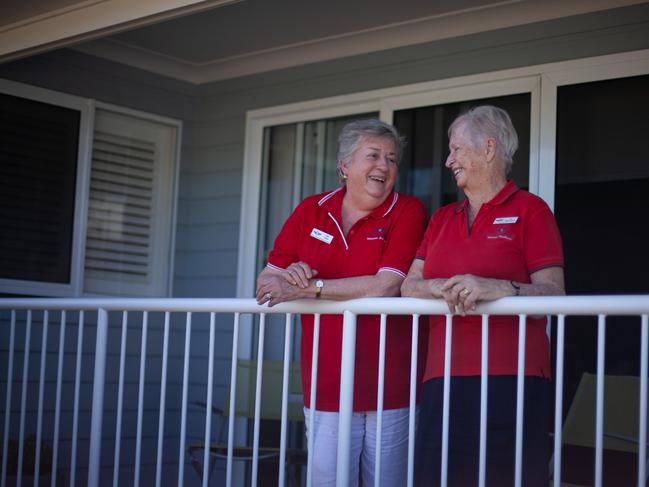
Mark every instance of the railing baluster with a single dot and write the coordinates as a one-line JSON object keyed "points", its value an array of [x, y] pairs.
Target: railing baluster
{"points": [[120, 399], [10, 374], [558, 400], [183, 413], [312, 401], [484, 395], [97, 412], [599, 414], [347, 368], [77, 387], [23, 400], [41, 393], [520, 401], [412, 409], [163, 397], [258, 384], [140, 399], [642, 422], [233, 398], [379, 401], [57, 411], [285, 382], [208, 408], [448, 342]]}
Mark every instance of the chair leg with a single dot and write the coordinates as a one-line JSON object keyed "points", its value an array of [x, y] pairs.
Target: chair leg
{"points": [[196, 465], [211, 469]]}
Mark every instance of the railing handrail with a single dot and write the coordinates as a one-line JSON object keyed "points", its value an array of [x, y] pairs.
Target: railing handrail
{"points": [[590, 305]]}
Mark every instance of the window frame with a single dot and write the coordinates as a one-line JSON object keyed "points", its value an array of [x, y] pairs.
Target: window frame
{"points": [[86, 123], [87, 108]]}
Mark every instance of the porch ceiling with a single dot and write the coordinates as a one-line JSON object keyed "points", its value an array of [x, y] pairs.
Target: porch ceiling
{"points": [[253, 36]]}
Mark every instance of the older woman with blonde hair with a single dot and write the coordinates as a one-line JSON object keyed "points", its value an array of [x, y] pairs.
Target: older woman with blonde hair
{"points": [[355, 241], [500, 241]]}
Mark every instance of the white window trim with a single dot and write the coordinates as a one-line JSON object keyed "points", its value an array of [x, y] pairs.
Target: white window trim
{"points": [[542, 81], [177, 125], [87, 109]]}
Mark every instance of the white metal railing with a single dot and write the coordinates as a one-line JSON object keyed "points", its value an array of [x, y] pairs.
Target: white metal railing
{"points": [[21, 315]]}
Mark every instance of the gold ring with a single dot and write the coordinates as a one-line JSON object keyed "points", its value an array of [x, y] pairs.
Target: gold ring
{"points": [[465, 292]]}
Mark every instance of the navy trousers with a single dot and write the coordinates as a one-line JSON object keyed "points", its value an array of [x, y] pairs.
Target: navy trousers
{"points": [[464, 432]]}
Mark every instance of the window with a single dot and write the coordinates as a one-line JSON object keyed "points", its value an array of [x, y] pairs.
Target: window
{"points": [[87, 196], [300, 159], [38, 154]]}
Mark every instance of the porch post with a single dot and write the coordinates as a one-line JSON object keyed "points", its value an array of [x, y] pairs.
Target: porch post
{"points": [[346, 398], [98, 398]]}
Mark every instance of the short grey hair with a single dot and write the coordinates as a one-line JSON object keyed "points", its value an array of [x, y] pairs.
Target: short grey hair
{"points": [[489, 122], [354, 133]]}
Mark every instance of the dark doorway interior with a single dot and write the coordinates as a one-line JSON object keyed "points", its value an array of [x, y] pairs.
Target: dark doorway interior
{"points": [[602, 207]]}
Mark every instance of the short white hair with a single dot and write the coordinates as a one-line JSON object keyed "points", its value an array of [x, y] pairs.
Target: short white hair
{"points": [[354, 133], [489, 122]]}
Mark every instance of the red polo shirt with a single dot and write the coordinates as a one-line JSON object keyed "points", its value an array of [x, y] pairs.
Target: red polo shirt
{"points": [[513, 235], [384, 241]]}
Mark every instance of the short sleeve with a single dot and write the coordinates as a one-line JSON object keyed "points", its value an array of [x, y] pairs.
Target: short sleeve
{"points": [[428, 235], [285, 247], [404, 238], [542, 242], [421, 251]]}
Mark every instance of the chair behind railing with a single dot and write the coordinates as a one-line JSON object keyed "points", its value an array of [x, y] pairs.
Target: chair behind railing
{"points": [[270, 411], [621, 427]]}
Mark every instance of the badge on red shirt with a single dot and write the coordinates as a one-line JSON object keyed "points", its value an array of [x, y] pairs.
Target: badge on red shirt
{"points": [[505, 219], [322, 236]]}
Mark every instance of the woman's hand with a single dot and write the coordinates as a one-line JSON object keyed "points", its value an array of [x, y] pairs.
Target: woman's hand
{"points": [[463, 291], [298, 274], [274, 288]]}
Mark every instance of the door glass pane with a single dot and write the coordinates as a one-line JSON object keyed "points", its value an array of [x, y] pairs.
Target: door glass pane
{"points": [[299, 160], [601, 204], [422, 172], [603, 184]]}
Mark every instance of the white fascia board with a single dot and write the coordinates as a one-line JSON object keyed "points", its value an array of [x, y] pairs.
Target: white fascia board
{"points": [[87, 20]]}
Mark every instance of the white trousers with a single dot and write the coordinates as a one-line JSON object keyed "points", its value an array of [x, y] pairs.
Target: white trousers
{"points": [[394, 447]]}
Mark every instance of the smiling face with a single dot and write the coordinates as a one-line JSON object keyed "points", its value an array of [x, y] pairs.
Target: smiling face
{"points": [[372, 169], [469, 165]]}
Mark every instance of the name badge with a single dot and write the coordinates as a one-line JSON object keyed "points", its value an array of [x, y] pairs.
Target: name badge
{"points": [[505, 219], [322, 236]]}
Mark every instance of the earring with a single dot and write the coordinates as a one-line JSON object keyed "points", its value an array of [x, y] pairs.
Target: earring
{"points": [[344, 177]]}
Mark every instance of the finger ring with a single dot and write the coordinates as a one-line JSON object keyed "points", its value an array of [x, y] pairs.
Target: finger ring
{"points": [[269, 296], [465, 292]]}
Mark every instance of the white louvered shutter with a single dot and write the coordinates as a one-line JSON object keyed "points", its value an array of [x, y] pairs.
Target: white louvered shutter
{"points": [[130, 204]]}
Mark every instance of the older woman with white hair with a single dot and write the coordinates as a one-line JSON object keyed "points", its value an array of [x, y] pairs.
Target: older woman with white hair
{"points": [[355, 241], [500, 241]]}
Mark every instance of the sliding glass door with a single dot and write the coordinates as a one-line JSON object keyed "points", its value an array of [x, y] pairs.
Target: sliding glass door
{"points": [[422, 172]]}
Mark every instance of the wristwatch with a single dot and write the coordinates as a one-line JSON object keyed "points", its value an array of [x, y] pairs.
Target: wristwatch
{"points": [[517, 288], [319, 284]]}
